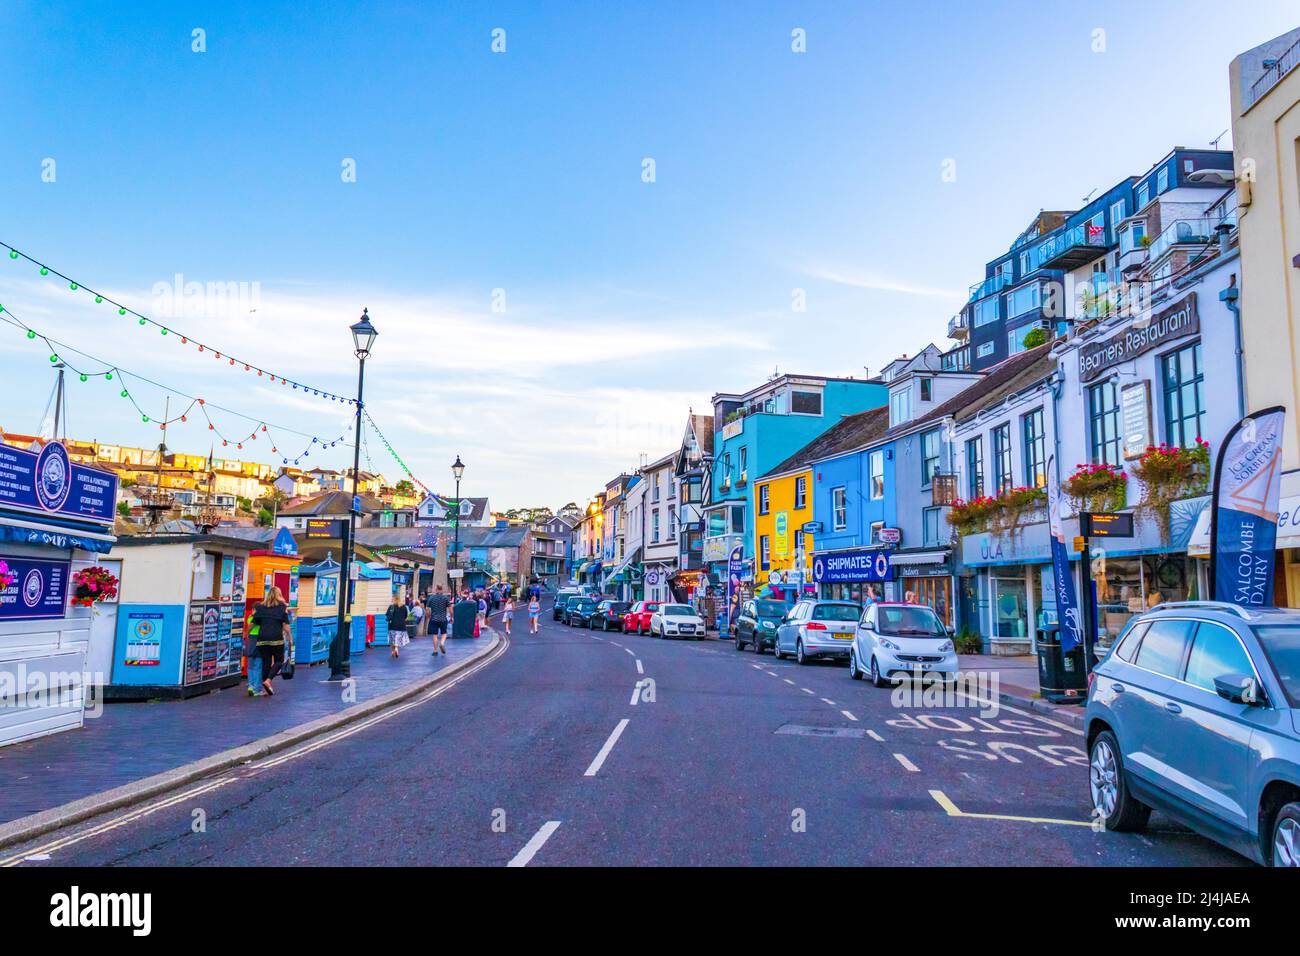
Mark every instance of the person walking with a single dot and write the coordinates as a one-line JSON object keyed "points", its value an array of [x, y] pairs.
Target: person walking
{"points": [[437, 614], [271, 621], [534, 612], [508, 613], [397, 636], [417, 617]]}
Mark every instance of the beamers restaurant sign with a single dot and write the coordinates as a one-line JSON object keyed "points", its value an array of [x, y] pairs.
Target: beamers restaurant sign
{"points": [[1172, 323]]}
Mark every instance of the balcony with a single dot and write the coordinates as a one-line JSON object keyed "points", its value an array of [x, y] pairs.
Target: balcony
{"points": [[1273, 73], [1191, 231], [958, 327], [1072, 248], [994, 283], [943, 489]]}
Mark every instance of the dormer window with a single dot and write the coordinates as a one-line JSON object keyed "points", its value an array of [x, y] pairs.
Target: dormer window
{"points": [[927, 389], [900, 405]]}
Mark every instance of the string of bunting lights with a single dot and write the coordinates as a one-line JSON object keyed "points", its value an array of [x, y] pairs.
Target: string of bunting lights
{"points": [[181, 338], [106, 371]]}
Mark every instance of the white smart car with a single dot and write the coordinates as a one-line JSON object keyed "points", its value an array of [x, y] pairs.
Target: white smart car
{"points": [[901, 639], [676, 620]]}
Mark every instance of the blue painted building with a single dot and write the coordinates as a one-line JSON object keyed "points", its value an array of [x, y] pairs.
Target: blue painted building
{"points": [[754, 432], [1065, 266]]}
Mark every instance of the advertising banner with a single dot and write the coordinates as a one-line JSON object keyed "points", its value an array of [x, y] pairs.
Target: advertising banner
{"points": [[1243, 515], [1067, 601], [39, 590], [735, 570], [49, 483]]}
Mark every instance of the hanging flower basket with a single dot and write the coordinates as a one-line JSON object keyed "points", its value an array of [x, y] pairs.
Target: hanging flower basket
{"points": [[92, 585], [974, 516], [1019, 506], [1097, 488], [7, 577], [1170, 474]]}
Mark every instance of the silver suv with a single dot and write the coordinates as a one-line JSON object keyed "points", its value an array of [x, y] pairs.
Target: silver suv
{"points": [[1196, 712]]}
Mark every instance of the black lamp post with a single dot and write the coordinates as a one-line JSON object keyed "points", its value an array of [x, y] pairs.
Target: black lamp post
{"points": [[457, 469], [363, 337]]}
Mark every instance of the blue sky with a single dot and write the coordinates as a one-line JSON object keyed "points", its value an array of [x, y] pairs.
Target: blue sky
{"points": [[622, 303]]}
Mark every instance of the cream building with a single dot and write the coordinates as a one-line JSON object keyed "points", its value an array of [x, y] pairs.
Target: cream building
{"points": [[1266, 142]]}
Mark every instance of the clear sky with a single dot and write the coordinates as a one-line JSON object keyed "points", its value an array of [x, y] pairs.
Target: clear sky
{"points": [[544, 312]]}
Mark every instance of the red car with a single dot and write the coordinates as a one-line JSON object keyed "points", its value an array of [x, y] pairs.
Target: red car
{"points": [[637, 620]]}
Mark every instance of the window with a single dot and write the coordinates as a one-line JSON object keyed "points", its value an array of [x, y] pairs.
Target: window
{"points": [[986, 311], [672, 523], [929, 457], [744, 459], [806, 403], [1016, 338], [1035, 449], [975, 468], [1131, 237], [1129, 644], [692, 492], [927, 389], [1116, 215], [737, 519], [764, 495], [656, 488], [932, 519], [1184, 400], [839, 509], [1103, 421], [1162, 648], [876, 474], [654, 534], [765, 551], [985, 350], [900, 405], [1002, 474], [1144, 193], [1025, 299], [1216, 652], [800, 492], [876, 527], [1162, 180]]}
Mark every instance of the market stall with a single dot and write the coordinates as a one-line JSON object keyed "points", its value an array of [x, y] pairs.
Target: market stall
{"points": [[318, 609], [372, 594], [180, 624], [56, 519]]}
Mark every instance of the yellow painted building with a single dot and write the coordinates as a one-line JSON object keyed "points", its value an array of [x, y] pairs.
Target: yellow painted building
{"points": [[1266, 149], [783, 502]]}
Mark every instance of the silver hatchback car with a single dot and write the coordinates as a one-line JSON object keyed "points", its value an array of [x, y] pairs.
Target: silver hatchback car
{"points": [[1196, 712], [817, 629]]}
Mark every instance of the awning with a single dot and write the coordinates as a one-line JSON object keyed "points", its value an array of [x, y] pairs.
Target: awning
{"points": [[919, 557], [53, 536], [622, 566]]}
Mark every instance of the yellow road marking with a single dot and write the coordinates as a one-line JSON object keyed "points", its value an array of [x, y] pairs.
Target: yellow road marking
{"points": [[950, 808]]}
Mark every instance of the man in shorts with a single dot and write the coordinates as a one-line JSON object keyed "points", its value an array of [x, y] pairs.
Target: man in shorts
{"points": [[438, 604]]}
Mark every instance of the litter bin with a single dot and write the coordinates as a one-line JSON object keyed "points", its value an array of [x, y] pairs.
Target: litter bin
{"points": [[1062, 677]]}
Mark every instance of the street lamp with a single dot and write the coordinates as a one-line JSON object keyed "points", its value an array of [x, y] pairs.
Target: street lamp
{"points": [[457, 470], [363, 338]]}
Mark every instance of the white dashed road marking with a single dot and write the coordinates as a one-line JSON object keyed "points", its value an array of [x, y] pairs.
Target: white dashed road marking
{"points": [[907, 764], [604, 751], [848, 714], [532, 846]]}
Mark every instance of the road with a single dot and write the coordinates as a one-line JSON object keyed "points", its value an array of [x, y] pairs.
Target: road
{"points": [[560, 753]]}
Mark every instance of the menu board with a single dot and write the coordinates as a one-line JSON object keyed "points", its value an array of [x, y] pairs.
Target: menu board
{"points": [[214, 642]]}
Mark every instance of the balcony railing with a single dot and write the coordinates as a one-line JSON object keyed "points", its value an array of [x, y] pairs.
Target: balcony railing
{"points": [[992, 284], [1200, 230], [1072, 248], [958, 328], [1273, 75]]}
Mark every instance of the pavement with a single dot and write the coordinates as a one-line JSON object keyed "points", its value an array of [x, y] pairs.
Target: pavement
{"points": [[130, 742], [1017, 683], [582, 748]]}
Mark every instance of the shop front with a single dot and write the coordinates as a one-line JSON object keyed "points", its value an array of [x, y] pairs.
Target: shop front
{"points": [[926, 575], [852, 574], [56, 520], [1009, 589]]}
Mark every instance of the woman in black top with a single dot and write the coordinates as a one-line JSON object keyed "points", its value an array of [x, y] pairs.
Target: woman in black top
{"points": [[271, 618], [397, 636]]}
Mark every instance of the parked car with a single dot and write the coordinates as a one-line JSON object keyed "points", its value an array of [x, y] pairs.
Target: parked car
{"points": [[609, 614], [676, 620], [817, 629], [901, 638], [1196, 712], [756, 626], [579, 611], [562, 602], [637, 619]]}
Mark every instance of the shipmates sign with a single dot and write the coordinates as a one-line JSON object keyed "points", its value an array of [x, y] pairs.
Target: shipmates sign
{"points": [[849, 566], [1179, 320]]}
